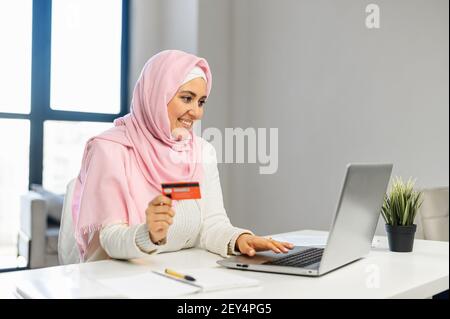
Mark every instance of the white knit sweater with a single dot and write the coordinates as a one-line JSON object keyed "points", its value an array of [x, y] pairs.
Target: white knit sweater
{"points": [[197, 223]]}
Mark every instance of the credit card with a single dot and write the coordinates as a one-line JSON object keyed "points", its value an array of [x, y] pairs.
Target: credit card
{"points": [[181, 190]]}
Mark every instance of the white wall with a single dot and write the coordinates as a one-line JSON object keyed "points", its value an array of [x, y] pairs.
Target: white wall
{"points": [[180, 19], [157, 25], [144, 36], [215, 44], [337, 91]]}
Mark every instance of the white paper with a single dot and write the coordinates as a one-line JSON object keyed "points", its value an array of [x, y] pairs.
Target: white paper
{"points": [[212, 279], [63, 288], [148, 285]]}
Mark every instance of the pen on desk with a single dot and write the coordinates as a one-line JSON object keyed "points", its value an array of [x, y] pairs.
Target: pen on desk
{"points": [[178, 275]]}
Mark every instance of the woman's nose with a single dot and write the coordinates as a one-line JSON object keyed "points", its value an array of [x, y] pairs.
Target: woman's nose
{"points": [[195, 111]]}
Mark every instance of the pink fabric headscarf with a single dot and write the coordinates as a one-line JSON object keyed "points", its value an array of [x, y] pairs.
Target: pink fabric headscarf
{"points": [[145, 130]]}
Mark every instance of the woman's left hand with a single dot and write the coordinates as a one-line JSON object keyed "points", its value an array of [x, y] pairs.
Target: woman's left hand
{"points": [[249, 244]]}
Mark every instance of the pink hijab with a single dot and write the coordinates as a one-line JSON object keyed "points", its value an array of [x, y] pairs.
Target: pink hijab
{"points": [[146, 131]]}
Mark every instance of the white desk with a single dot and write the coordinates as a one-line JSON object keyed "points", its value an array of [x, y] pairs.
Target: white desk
{"points": [[383, 274]]}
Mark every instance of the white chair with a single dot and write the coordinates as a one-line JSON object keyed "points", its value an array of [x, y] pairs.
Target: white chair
{"points": [[67, 249], [433, 217]]}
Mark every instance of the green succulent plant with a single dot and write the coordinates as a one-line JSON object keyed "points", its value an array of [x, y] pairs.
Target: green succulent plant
{"points": [[400, 206]]}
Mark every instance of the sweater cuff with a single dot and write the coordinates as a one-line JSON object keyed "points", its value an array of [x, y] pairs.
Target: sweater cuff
{"points": [[232, 243], [143, 241]]}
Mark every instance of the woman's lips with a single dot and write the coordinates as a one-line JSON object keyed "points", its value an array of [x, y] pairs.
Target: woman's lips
{"points": [[187, 124]]}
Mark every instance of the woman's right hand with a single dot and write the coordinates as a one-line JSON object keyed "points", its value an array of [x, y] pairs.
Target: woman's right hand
{"points": [[159, 216]]}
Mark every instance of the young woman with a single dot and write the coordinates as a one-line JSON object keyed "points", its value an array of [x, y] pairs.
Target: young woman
{"points": [[118, 209]]}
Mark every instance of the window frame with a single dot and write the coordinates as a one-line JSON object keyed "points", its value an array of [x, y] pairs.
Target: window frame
{"points": [[40, 86]]}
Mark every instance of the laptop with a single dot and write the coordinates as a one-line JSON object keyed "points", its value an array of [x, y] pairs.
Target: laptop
{"points": [[351, 232]]}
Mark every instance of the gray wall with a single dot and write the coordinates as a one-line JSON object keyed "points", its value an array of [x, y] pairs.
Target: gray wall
{"points": [[157, 25], [145, 28], [337, 92]]}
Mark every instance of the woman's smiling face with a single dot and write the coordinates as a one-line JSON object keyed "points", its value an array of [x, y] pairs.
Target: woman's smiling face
{"points": [[187, 104]]}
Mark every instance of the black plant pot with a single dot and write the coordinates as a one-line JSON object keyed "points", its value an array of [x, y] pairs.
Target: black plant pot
{"points": [[401, 238]]}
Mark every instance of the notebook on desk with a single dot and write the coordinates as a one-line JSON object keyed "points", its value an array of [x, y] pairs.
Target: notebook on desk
{"points": [[148, 284], [144, 285], [157, 284], [213, 279]]}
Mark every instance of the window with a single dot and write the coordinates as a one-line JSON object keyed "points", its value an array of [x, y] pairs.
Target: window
{"points": [[63, 79], [15, 56], [13, 175], [85, 70]]}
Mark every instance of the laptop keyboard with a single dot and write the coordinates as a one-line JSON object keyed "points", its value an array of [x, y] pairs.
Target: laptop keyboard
{"points": [[303, 258]]}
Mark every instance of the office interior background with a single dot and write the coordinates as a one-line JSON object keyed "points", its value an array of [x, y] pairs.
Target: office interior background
{"points": [[337, 91]]}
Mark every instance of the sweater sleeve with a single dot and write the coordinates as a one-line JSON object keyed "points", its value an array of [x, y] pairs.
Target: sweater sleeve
{"points": [[217, 234], [121, 241]]}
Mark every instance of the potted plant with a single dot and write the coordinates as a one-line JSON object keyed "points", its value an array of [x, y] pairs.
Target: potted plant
{"points": [[399, 209]]}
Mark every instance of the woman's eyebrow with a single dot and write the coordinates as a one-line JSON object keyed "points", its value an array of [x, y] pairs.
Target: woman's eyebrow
{"points": [[191, 93]]}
